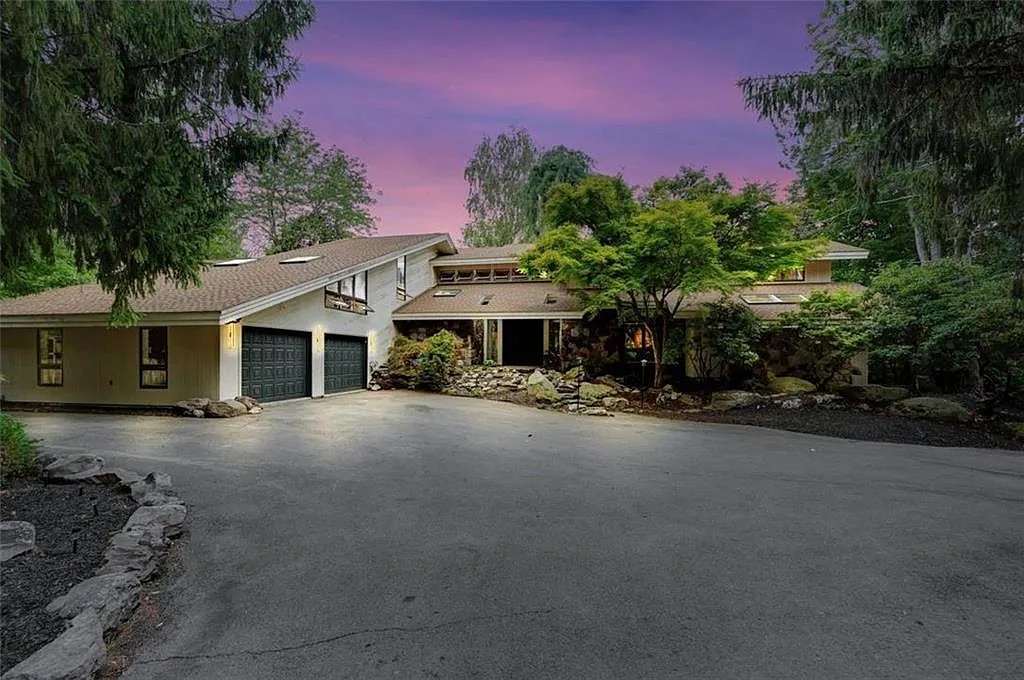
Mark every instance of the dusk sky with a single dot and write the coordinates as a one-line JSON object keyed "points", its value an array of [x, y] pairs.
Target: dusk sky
{"points": [[412, 88]]}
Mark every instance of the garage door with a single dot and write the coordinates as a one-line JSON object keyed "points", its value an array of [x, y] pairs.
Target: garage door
{"points": [[275, 364], [344, 363]]}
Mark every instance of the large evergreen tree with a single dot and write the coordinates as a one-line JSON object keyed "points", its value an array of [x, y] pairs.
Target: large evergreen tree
{"points": [[124, 124]]}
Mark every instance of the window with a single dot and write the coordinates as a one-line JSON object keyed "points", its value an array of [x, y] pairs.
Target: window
{"points": [[400, 277], [486, 299], [51, 357], [348, 294], [639, 344], [789, 275], [153, 357]]}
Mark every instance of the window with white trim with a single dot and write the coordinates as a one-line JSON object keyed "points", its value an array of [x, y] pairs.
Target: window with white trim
{"points": [[348, 294]]}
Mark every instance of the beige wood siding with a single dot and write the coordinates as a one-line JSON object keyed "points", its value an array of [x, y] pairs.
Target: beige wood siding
{"points": [[818, 271], [101, 366]]}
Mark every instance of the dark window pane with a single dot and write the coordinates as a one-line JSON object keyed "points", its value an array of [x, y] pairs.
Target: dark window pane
{"points": [[153, 357], [360, 290], [50, 349]]}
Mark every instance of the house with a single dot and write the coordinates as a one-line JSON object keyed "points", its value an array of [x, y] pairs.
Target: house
{"points": [[313, 321], [508, 318], [304, 323]]}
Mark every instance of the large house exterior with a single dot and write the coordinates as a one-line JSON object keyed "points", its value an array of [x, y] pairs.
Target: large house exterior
{"points": [[314, 321], [305, 323]]}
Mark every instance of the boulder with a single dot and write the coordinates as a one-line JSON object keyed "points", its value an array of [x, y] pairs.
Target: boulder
{"points": [[153, 489], [592, 391], [874, 394], [73, 468], [541, 389], [111, 597], [791, 403], [188, 407], [730, 399], [931, 408], [575, 373], [226, 409], [597, 411], [615, 403], [16, 538], [75, 655], [134, 550], [790, 385], [247, 402], [169, 517], [113, 476]]}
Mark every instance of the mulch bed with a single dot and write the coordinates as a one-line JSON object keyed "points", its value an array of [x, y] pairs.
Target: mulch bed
{"points": [[74, 523], [872, 426]]}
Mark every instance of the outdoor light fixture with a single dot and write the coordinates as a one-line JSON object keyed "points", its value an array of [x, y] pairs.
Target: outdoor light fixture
{"points": [[643, 381]]}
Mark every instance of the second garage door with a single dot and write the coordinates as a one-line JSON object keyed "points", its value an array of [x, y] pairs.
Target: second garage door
{"points": [[275, 364], [344, 363]]}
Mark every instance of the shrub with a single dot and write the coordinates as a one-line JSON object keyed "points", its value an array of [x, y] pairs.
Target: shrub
{"points": [[822, 336], [17, 449], [423, 364], [954, 323], [437, 361], [724, 344]]}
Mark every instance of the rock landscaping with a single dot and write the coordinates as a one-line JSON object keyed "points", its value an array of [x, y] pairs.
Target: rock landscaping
{"points": [[97, 534], [202, 407], [867, 412]]}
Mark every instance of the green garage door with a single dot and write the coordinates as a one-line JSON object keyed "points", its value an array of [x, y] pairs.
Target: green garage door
{"points": [[275, 364], [344, 363]]}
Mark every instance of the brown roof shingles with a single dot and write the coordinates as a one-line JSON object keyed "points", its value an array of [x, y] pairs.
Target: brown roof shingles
{"points": [[224, 287], [511, 251], [524, 297]]}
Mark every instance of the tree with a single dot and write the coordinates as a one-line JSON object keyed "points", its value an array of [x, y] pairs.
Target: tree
{"points": [[42, 273], [124, 124], [558, 165], [497, 202], [725, 342], [304, 194], [600, 204], [651, 260], [933, 89]]}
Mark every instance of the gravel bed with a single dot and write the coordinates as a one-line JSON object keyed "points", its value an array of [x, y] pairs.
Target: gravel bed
{"points": [[861, 425], [63, 514]]}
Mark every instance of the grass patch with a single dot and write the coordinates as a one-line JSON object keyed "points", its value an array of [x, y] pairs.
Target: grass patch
{"points": [[17, 449]]}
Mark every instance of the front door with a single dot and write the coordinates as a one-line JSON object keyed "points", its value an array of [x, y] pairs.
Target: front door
{"points": [[522, 342]]}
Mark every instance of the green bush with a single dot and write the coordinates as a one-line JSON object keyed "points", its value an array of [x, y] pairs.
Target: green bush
{"points": [[437, 361], [423, 364], [822, 336], [17, 449], [724, 345], [952, 323]]}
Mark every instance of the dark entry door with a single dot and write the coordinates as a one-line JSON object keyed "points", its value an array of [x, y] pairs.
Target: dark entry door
{"points": [[275, 364], [344, 363], [522, 342]]}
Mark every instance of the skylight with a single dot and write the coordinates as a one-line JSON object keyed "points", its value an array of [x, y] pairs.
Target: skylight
{"points": [[234, 263], [550, 299], [486, 300], [446, 292], [772, 298], [300, 259]]}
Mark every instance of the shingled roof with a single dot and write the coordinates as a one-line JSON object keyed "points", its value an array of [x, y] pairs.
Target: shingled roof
{"points": [[231, 287]]}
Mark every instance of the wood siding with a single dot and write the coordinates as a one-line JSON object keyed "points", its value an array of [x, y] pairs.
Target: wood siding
{"points": [[101, 366]]}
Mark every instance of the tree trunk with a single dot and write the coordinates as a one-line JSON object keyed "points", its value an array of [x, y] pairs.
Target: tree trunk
{"points": [[935, 245], [919, 240]]}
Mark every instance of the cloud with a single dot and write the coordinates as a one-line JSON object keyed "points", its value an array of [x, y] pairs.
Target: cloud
{"points": [[538, 66]]}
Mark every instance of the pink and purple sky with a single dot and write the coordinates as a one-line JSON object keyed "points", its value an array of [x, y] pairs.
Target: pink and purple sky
{"points": [[412, 87]]}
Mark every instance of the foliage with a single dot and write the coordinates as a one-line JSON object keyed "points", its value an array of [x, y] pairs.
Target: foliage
{"points": [[304, 194], [925, 95], [725, 339], [646, 262], [124, 125], [558, 165], [41, 273], [424, 364], [497, 175], [17, 449], [600, 204], [827, 330], [953, 323], [437, 361]]}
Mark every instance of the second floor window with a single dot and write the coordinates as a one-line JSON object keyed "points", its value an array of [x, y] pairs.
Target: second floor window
{"points": [[348, 294], [400, 278]]}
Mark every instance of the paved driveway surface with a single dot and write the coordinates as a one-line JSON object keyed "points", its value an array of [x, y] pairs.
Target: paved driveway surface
{"points": [[418, 536]]}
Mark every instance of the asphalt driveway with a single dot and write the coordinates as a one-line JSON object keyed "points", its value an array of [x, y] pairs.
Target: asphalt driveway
{"points": [[380, 535]]}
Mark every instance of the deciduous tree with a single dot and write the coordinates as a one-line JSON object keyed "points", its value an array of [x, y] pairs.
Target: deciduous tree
{"points": [[497, 175]]}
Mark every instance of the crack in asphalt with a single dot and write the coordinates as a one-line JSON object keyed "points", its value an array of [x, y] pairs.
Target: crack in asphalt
{"points": [[342, 636]]}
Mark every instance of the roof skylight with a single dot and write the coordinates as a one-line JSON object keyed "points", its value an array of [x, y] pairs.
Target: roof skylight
{"points": [[446, 292], [235, 262], [300, 259], [772, 298]]}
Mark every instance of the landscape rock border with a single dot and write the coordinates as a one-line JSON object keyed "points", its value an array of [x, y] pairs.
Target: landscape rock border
{"points": [[98, 604]]}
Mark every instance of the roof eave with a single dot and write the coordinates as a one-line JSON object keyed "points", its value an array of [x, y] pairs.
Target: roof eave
{"points": [[103, 319]]}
